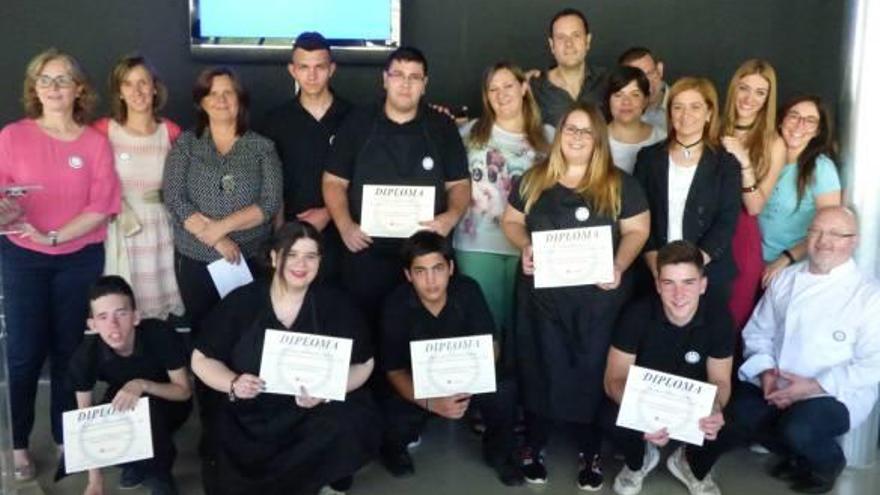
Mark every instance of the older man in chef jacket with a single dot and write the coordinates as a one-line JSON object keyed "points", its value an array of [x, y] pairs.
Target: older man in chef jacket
{"points": [[812, 356]]}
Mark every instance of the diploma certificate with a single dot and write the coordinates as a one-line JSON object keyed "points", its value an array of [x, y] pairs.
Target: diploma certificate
{"points": [[568, 257], [292, 361], [101, 436], [395, 211], [653, 400], [444, 367]]}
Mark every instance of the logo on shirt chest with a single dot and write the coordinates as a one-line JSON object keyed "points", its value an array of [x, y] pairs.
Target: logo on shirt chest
{"points": [[428, 163], [582, 213], [692, 357], [75, 162], [839, 336]]}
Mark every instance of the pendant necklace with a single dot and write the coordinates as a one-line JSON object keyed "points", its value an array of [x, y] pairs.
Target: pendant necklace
{"points": [[686, 148]]}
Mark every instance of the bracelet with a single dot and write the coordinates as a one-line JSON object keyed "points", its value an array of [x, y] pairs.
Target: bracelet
{"points": [[232, 396], [750, 189], [790, 256]]}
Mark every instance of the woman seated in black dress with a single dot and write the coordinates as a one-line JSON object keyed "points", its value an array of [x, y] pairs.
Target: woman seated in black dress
{"points": [[268, 443]]}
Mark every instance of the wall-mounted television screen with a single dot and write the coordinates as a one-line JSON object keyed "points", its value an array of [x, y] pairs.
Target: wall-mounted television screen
{"points": [[360, 31]]}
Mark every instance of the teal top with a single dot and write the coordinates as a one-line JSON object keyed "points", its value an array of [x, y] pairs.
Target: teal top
{"points": [[783, 221]]}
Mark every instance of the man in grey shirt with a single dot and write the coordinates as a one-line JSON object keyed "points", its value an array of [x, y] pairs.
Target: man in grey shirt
{"points": [[571, 79]]}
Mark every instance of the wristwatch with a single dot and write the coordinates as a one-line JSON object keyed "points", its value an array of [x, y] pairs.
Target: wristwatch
{"points": [[53, 237]]}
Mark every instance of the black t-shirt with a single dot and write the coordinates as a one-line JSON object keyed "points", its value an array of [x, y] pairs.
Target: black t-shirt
{"points": [[658, 344], [303, 144], [429, 134], [235, 330], [558, 208], [406, 319], [157, 350]]}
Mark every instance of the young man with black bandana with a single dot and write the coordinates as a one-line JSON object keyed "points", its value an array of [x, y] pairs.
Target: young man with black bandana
{"points": [[435, 304]]}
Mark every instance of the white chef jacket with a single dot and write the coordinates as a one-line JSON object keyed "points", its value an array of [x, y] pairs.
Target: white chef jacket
{"points": [[825, 327]]}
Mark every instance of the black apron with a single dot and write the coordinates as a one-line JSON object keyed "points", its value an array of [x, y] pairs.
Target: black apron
{"points": [[270, 445], [391, 155], [562, 334]]}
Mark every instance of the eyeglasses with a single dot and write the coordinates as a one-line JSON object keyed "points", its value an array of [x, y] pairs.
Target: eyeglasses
{"points": [[580, 132], [830, 234], [62, 81], [399, 77], [794, 119]]}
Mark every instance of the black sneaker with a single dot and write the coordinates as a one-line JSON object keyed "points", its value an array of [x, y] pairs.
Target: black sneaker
{"points": [[509, 472], [161, 485], [590, 476], [132, 477], [532, 466], [788, 469], [343, 484], [399, 464], [812, 483]]}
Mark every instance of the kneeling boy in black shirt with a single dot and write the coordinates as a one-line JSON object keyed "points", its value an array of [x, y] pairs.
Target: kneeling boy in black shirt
{"points": [[682, 333], [135, 358], [435, 305]]}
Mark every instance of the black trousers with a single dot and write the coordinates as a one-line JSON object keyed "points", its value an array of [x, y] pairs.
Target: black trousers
{"points": [[587, 435], [631, 444], [405, 422], [166, 417], [369, 276]]}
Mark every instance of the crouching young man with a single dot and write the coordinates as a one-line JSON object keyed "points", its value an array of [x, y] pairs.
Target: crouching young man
{"points": [[135, 358], [682, 333], [433, 304]]}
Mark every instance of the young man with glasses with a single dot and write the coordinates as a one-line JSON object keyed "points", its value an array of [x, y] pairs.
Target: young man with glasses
{"points": [[399, 142]]}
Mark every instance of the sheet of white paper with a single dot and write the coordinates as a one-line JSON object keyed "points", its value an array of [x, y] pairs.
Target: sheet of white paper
{"points": [[100, 436], [444, 367], [395, 211], [228, 277], [293, 360], [568, 257], [653, 400]]}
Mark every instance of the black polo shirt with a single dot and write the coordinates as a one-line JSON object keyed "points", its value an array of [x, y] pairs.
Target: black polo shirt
{"points": [[303, 144], [409, 138], [644, 330], [406, 319], [157, 350]]}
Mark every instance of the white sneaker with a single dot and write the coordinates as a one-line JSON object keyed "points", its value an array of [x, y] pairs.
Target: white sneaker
{"points": [[679, 467], [629, 482]]}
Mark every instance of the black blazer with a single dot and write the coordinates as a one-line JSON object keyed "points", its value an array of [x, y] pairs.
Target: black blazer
{"points": [[711, 208]]}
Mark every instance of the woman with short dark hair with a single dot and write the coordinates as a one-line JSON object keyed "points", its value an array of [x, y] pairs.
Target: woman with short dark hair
{"points": [[222, 185], [625, 101]]}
